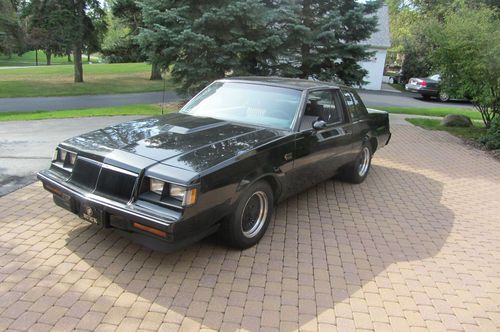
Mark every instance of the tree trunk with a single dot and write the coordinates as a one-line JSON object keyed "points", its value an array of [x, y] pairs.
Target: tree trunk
{"points": [[88, 57], [305, 49], [69, 56], [48, 54], [155, 72], [77, 58], [36, 57], [78, 45]]}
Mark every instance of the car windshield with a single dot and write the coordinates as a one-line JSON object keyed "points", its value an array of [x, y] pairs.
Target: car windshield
{"points": [[253, 104]]}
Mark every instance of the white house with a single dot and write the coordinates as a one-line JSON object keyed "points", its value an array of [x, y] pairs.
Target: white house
{"points": [[379, 42]]}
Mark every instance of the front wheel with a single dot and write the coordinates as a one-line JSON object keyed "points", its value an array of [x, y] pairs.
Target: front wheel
{"points": [[248, 223], [443, 97], [357, 171]]}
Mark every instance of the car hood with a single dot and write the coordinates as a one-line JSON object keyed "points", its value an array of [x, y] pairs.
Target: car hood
{"points": [[179, 140]]}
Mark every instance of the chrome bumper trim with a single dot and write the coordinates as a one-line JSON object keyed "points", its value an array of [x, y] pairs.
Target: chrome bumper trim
{"points": [[124, 209]]}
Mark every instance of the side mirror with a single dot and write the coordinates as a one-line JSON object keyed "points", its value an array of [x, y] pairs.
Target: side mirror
{"points": [[319, 124]]}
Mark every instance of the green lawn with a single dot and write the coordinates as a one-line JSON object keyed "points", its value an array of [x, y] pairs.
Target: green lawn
{"points": [[58, 80], [441, 112], [471, 133], [154, 109], [29, 59]]}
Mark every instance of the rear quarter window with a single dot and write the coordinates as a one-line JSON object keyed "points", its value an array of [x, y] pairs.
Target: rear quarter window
{"points": [[354, 104]]}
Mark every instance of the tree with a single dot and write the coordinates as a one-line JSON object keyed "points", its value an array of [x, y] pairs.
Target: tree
{"points": [[326, 38], [48, 22], [408, 21], [95, 27], [204, 41], [121, 44], [467, 54], [11, 36], [58, 26]]}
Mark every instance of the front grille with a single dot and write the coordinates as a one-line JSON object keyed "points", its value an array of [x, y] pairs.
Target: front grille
{"points": [[116, 183], [85, 173]]}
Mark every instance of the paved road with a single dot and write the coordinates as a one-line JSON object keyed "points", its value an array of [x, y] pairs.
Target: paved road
{"points": [[371, 98], [73, 102], [27, 146], [384, 99], [414, 248]]}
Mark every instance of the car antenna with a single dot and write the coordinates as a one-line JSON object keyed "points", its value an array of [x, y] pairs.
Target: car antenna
{"points": [[164, 88]]}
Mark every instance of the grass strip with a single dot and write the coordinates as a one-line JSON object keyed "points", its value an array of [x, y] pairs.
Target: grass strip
{"points": [[141, 109], [470, 133], [441, 112]]}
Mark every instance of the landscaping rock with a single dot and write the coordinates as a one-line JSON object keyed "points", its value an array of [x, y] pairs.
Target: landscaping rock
{"points": [[453, 120]]}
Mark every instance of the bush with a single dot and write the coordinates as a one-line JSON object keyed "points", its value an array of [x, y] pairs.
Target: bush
{"points": [[492, 138]]}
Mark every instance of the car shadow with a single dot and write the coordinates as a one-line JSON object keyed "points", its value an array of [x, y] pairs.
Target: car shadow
{"points": [[323, 247]]}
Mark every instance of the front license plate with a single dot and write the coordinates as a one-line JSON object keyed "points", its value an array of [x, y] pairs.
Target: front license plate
{"points": [[91, 214]]}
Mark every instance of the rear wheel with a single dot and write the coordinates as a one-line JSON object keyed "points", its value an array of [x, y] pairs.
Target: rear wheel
{"points": [[357, 171], [248, 223]]}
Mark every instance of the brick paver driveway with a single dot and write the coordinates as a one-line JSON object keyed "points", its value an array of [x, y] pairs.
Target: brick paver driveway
{"points": [[414, 247]]}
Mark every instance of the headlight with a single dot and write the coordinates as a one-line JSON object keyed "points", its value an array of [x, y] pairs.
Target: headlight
{"points": [[186, 196], [168, 190], [156, 186], [64, 159]]}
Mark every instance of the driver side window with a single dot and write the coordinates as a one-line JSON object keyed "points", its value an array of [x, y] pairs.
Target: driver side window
{"points": [[320, 106]]}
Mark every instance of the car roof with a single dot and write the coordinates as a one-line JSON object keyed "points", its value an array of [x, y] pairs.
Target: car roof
{"points": [[292, 83]]}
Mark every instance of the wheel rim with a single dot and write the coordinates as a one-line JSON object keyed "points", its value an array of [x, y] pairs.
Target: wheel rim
{"points": [[443, 96], [254, 214], [364, 162]]}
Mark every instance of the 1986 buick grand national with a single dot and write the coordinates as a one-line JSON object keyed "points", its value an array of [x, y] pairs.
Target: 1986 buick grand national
{"points": [[221, 163]]}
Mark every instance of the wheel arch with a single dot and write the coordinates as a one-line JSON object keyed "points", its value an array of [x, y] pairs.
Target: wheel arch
{"points": [[270, 178], [373, 143]]}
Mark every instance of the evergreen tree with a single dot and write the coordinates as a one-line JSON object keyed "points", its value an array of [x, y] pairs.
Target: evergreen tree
{"points": [[203, 41], [325, 37], [207, 40]]}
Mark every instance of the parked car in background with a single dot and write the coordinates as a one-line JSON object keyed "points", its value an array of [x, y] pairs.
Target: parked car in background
{"points": [[220, 164], [427, 87]]}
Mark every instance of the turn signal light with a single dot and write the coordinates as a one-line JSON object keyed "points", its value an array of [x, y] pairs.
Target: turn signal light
{"points": [[149, 229]]}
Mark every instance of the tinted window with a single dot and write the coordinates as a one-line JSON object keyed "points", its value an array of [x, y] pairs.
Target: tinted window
{"points": [[354, 104], [254, 104], [321, 104]]}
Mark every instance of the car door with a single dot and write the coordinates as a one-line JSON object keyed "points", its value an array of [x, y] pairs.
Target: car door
{"points": [[320, 152], [360, 126]]}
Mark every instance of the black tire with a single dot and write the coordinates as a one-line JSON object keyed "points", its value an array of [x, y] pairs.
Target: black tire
{"points": [[357, 171], [443, 97], [251, 217]]}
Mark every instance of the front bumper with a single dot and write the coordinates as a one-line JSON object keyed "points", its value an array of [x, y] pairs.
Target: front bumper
{"points": [[142, 223]]}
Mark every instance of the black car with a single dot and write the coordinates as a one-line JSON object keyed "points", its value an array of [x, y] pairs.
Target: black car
{"points": [[427, 87], [220, 164]]}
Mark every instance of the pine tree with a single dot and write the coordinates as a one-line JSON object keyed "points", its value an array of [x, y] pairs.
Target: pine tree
{"points": [[207, 40], [203, 41], [328, 36]]}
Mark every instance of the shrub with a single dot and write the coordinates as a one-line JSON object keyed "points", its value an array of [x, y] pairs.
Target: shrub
{"points": [[492, 138]]}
